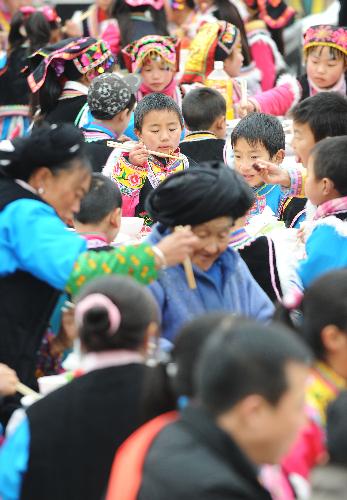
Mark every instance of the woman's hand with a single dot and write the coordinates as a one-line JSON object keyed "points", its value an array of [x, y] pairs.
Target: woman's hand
{"points": [[8, 380], [177, 246], [138, 155], [272, 173]]}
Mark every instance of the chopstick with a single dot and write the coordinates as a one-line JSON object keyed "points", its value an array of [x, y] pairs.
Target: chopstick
{"points": [[118, 145], [188, 268], [26, 391], [244, 96]]}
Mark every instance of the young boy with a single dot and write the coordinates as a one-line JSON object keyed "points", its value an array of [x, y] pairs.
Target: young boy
{"points": [[204, 112], [111, 100], [315, 118], [158, 125], [98, 220], [326, 187], [261, 137]]}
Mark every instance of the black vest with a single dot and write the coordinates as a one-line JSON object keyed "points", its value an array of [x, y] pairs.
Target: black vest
{"points": [[26, 304], [75, 432]]}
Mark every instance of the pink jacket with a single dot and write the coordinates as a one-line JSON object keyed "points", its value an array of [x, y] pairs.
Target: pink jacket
{"points": [[279, 100]]}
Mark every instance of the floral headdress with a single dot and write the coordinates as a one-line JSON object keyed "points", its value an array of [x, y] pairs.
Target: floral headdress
{"points": [[156, 4], [213, 42], [275, 13], [87, 54], [137, 52], [49, 12], [326, 35]]}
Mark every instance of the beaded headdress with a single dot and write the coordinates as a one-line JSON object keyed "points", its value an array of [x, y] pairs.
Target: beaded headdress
{"points": [[326, 35], [137, 52], [87, 54]]}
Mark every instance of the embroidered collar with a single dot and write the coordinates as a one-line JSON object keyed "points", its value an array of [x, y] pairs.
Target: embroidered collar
{"points": [[105, 359], [329, 376], [199, 135], [331, 207], [258, 190], [73, 89], [94, 240], [98, 131], [158, 170]]}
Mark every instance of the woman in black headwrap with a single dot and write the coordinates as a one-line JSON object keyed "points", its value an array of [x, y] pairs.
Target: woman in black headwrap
{"points": [[210, 199]]}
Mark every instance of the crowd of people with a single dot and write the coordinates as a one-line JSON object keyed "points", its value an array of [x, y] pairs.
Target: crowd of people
{"points": [[206, 356]]}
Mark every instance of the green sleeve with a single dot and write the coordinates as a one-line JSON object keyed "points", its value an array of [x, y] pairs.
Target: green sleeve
{"points": [[136, 261]]}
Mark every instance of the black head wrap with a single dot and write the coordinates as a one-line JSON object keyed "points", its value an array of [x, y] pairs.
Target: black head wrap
{"points": [[49, 146], [199, 195]]}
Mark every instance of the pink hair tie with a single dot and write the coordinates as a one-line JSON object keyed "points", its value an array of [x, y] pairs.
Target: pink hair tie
{"points": [[98, 300]]}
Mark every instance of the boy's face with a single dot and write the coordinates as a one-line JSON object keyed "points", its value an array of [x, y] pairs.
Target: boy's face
{"points": [[314, 188], [234, 62], [245, 155], [322, 69], [156, 74], [303, 141], [161, 131]]}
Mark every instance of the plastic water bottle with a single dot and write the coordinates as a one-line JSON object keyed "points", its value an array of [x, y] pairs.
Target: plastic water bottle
{"points": [[222, 82]]}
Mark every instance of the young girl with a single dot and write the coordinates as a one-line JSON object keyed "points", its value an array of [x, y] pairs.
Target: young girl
{"points": [[117, 320], [324, 327], [155, 58], [61, 75], [325, 50], [158, 125], [30, 30]]}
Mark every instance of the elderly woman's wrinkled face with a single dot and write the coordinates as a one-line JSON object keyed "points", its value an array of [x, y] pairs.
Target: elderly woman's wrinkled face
{"points": [[214, 237]]}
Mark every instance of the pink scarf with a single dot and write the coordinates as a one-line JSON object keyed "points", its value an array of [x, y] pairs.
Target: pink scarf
{"points": [[331, 207], [340, 86], [171, 90]]}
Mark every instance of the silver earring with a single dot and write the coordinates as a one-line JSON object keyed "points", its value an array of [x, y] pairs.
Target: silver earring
{"points": [[40, 190]]}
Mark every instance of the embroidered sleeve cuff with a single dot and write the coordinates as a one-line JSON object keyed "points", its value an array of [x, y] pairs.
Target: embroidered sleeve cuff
{"points": [[297, 183]]}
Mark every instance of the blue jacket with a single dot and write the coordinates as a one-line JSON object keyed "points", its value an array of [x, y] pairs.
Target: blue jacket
{"points": [[239, 293]]}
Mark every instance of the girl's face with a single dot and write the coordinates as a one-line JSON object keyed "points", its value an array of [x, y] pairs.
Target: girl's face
{"points": [[161, 131], [322, 69], [234, 62], [157, 74]]}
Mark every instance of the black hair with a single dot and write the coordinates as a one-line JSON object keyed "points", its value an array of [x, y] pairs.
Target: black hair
{"points": [[137, 309], [155, 102], [122, 12], [337, 430], [56, 147], [37, 29], [102, 199], [227, 11], [325, 113], [335, 54], [317, 312], [259, 128], [330, 161], [245, 358], [201, 107], [173, 377]]}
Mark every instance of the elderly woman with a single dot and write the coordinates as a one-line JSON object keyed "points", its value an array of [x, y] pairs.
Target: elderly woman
{"points": [[210, 199]]}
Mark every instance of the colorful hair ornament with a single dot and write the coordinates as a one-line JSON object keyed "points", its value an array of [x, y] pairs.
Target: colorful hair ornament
{"points": [[137, 52], [102, 301], [326, 35]]}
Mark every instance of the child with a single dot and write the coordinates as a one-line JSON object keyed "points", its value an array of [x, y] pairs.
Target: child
{"points": [[325, 49], [158, 125], [110, 101], [204, 112], [324, 328], [94, 413], [326, 188], [261, 137], [322, 115], [98, 220], [30, 30], [155, 58], [61, 75]]}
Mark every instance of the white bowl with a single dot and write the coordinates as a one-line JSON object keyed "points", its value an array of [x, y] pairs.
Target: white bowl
{"points": [[131, 226]]}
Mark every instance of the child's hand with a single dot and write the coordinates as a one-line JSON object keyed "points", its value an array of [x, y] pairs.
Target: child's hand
{"points": [[243, 109], [8, 380], [272, 173], [138, 155]]}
